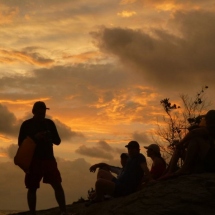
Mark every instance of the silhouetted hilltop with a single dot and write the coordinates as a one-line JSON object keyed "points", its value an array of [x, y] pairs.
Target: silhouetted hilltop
{"points": [[184, 195]]}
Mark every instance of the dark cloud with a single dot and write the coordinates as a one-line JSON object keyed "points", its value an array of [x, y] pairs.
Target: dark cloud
{"points": [[81, 81], [65, 131], [101, 150], [164, 59], [105, 146], [8, 122], [141, 137], [10, 150]]}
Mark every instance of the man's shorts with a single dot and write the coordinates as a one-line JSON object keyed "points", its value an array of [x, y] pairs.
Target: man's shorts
{"points": [[46, 169]]}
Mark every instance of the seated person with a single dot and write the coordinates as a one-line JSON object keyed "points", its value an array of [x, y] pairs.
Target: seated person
{"points": [[128, 181], [197, 144], [105, 170], [158, 163]]}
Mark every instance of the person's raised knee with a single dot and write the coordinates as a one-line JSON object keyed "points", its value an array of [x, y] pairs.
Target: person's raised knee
{"points": [[99, 183]]}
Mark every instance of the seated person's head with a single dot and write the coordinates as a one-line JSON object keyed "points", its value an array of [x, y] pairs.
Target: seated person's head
{"points": [[133, 148], [124, 159], [153, 150], [39, 110]]}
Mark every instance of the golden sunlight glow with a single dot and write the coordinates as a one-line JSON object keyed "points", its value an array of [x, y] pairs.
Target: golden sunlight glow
{"points": [[27, 17], [123, 2], [12, 56], [166, 6], [126, 13], [83, 57], [7, 15], [21, 102], [4, 138], [3, 155]]}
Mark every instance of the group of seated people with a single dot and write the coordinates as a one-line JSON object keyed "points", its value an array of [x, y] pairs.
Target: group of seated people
{"points": [[198, 156]]}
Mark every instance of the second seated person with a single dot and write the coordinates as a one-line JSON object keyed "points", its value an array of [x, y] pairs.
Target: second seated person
{"points": [[158, 163], [128, 181]]}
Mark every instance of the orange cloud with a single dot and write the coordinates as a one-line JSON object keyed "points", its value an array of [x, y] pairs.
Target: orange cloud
{"points": [[18, 105], [27, 17], [173, 5], [84, 57], [14, 56], [31, 101], [123, 2], [125, 106], [3, 155], [167, 6], [7, 15], [4, 138]]}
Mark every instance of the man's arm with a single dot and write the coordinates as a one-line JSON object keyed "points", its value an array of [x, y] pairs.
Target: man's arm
{"points": [[54, 134], [22, 134], [145, 168], [115, 169], [99, 165]]}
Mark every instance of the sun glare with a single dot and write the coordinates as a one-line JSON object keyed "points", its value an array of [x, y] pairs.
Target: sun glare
{"points": [[126, 14]]}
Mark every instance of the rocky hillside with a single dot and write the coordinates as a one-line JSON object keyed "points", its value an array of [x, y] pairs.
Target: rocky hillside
{"points": [[184, 195]]}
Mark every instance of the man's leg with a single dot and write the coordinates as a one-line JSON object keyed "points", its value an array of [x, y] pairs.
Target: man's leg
{"points": [[60, 196], [103, 187], [105, 175], [102, 174], [32, 183], [31, 197], [173, 162], [172, 166]]}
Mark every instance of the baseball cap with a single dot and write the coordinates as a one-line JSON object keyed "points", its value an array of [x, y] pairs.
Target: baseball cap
{"points": [[133, 144], [39, 105], [154, 147]]}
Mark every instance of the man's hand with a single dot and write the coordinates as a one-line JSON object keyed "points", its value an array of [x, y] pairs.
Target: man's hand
{"points": [[44, 135], [93, 168], [98, 165], [148, 176], [40, 135]]}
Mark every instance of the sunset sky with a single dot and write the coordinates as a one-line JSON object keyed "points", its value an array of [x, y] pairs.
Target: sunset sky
{"points": [[102, 68]]}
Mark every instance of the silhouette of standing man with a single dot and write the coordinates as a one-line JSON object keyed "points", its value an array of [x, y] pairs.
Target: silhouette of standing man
{"points": [[44, 133]]}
